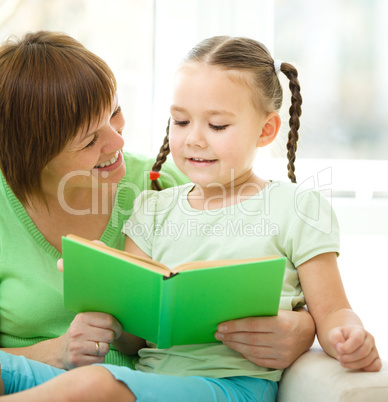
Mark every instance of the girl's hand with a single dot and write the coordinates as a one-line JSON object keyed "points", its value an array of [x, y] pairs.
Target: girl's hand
{"points": [[60, 265], [88, 339], [274, 342], [355, 348]]}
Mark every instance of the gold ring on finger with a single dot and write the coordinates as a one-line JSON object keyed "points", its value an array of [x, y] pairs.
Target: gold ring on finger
{"points": [[97, 348]]}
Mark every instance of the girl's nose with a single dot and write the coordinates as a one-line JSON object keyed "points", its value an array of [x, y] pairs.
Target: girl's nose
{"points": [[196, 138]]}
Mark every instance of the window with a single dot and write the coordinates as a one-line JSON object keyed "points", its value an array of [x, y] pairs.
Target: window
{"points": [[340, 49]]}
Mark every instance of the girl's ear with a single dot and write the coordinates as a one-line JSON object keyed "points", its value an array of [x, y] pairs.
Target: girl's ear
{"points": [[270, 129]]}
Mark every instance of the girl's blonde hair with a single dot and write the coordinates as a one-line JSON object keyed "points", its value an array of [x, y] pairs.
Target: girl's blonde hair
{"points": [[51, 87], [247, 55]]}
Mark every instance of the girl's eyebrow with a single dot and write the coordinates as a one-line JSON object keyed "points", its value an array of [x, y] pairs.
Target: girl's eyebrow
{"points": [[177, 108], [222, 112]]}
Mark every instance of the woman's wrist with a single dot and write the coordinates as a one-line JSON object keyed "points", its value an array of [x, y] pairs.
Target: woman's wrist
{"points": [[306, 328], [44, 352]]}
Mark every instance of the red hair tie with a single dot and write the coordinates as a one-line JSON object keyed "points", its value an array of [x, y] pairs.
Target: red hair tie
{"points": [[154, 175]]}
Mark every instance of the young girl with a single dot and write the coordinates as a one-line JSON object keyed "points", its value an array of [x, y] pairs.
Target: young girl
{"points": [[225, 105], [225, 102]]}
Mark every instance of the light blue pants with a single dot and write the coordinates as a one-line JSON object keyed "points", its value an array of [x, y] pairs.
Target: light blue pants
{"points": [[19, 373]]}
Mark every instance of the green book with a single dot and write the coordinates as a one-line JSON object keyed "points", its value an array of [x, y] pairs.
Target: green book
{"points": [[168, 307]]}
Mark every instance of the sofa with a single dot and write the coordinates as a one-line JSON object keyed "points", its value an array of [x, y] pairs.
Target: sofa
{"points": [[316, 377]]}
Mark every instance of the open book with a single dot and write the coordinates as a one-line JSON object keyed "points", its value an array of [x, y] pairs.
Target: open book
{"points": [[168, 307]]}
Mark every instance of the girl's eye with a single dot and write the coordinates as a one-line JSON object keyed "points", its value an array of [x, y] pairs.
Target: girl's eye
{"points": [[91, 143], [218, 128], [181, 123], [116, 112]]}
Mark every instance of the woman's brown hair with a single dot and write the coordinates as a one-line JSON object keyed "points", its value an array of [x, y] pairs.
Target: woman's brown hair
{"points": [[51, 87], [248, 55]]}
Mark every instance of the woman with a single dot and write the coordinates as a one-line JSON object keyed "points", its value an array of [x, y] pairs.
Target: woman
{"points": [[63, 171]]}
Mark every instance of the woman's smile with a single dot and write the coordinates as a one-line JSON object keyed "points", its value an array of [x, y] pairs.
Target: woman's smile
{"points": [[110, 162]]}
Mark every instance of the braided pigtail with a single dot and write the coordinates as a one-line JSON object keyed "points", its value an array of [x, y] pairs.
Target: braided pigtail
{"points": [[160, 159], [295, 113]]}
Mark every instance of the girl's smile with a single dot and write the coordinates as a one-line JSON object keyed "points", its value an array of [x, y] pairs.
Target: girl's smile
{"points": [[201, 162]]}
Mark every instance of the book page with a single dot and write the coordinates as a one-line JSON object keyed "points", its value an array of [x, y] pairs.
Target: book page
{"points": [[217, 263], [135, 259]]}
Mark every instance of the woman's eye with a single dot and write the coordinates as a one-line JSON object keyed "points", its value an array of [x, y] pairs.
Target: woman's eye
{"points": [[116, 112], [181, 123], [91, 143], [218, 128]]}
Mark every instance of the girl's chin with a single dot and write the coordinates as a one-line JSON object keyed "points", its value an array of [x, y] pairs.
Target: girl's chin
{"points": [[206, 184]]}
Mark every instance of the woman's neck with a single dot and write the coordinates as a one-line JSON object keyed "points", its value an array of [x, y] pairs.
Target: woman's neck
{"points": [[85, 213], [78, 200]]}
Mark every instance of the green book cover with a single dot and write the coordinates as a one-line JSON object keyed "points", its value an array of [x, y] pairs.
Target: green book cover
{"points": [[178, 307]]}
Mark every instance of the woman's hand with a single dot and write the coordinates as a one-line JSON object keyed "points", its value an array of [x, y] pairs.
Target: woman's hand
{"points": [[88, 339], [274, 342]]}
